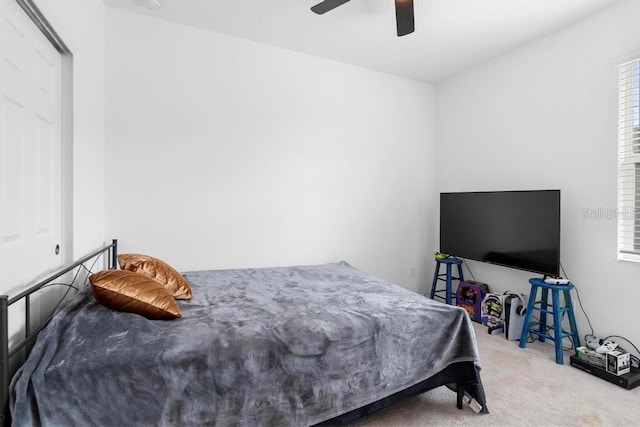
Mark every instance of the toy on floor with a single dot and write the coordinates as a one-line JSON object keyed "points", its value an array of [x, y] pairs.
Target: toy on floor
{"points": [[469, 296], [492, 312]]}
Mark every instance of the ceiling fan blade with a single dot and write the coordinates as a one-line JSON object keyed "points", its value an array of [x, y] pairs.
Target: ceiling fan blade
{"points": [[327, 5], [404, 17]]}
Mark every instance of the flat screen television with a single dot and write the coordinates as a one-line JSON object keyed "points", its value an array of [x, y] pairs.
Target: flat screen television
{"points": [[518, 229]]}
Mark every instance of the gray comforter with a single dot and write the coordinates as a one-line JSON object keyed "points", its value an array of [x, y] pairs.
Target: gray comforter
{"points": [[274, 346]]}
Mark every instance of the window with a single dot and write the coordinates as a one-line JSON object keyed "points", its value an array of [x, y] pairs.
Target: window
{"points": [[629, 161]]}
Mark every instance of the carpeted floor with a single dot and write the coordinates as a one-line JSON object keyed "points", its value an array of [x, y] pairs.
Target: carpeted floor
{"points": [[524, 387]]}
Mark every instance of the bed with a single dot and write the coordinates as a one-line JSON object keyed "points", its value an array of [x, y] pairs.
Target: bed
{"points": [[302, 345]]}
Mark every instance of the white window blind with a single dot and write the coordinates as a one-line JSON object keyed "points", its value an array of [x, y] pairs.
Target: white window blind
{"points": [[629, 161]]}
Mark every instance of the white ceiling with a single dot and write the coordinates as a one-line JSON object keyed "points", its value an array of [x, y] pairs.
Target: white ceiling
{"points": [[450, 36]]}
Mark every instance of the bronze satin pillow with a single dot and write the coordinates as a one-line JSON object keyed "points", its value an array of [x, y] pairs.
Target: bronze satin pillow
{"points": [[159, 270], [134, 293]]}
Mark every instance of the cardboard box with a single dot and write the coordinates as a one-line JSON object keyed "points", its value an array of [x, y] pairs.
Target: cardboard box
{"points": [[618, 362], [590, 356]]}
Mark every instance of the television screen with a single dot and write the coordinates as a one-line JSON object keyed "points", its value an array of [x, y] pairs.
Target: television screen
{"points": [[518, 229]]}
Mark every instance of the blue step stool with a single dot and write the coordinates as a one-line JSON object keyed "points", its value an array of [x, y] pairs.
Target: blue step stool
{"points": [[446, 277], [539, 329]]}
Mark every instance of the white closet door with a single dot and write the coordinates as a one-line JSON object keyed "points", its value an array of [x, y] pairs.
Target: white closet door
{"points": [[30, 149]]}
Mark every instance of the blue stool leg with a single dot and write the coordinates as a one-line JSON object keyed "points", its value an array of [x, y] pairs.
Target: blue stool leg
{"points": [[543, 314], [460, 275], [527, 316], [557, 327], [460, 278], [435, 279], [448, 284], [572, 319]]}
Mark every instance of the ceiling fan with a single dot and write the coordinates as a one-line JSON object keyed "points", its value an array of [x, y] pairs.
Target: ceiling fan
{"points": [[404, 13]]}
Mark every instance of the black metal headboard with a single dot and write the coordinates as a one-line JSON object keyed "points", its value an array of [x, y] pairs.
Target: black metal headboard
{"points": [[108, 253]]}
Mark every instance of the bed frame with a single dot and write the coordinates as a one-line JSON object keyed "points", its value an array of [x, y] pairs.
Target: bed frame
{"points": [[108, 253], [455, 377], [459, 377]]}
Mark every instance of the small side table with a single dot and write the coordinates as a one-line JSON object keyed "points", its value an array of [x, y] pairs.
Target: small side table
{"points": [[555, 309], [446, 277]]}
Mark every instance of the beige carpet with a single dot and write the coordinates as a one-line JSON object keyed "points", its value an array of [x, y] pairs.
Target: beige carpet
{"points": [[524, 387]]}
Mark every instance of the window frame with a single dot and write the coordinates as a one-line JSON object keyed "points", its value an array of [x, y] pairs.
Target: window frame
{"points": [[628, 214]]}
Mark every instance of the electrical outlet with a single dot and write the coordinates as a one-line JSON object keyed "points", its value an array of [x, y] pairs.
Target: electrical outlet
{"points": [[412, 272]]}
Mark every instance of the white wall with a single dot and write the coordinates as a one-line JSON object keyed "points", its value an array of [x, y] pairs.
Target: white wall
{"points": [[544, 117], [81, 25], [227, 153]]}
